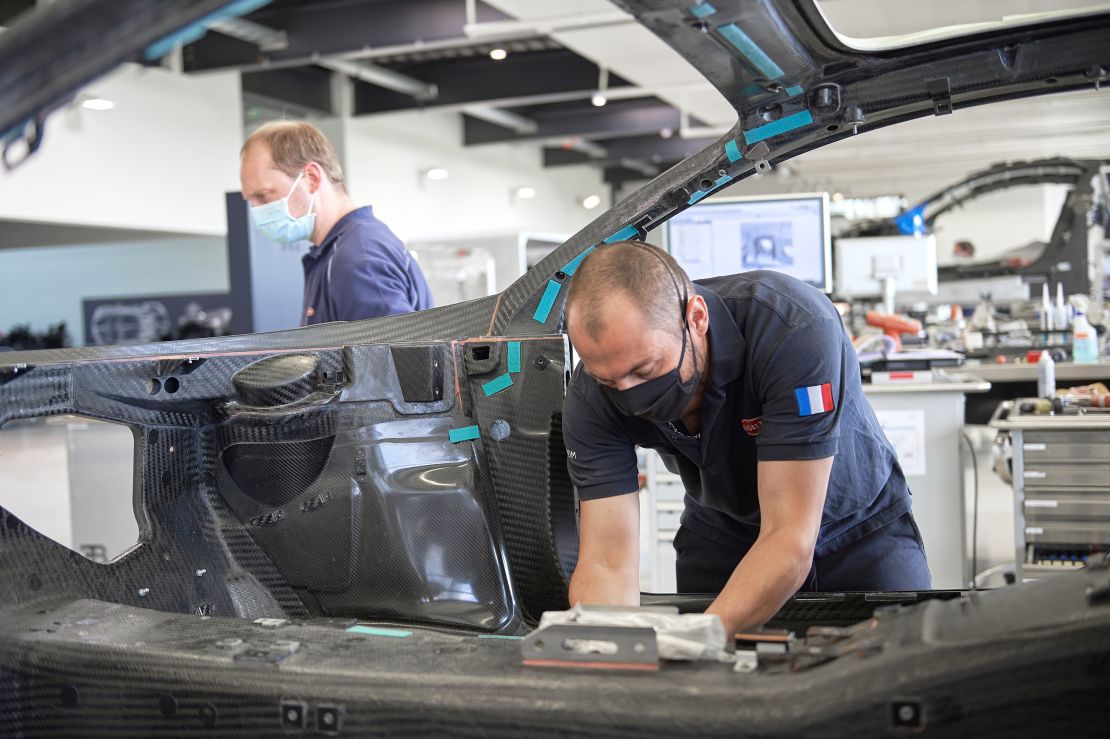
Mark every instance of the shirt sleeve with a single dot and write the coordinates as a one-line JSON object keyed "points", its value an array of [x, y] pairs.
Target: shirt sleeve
{"points": [[601, 459], [364, 281], [801, 391]]}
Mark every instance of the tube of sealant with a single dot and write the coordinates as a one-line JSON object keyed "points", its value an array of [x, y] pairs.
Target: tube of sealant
{"points": [[1046, 310], [1061, 319]]}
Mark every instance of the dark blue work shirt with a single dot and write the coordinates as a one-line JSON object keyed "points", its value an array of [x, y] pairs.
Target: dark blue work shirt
{"points": [[362, 270], [784, 384]]}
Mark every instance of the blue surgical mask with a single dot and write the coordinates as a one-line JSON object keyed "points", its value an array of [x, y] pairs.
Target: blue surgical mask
{"points": [[276, 222]]}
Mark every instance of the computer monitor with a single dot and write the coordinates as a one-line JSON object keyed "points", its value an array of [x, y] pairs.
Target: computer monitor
{"points": [[870, 267], [785, 233]]}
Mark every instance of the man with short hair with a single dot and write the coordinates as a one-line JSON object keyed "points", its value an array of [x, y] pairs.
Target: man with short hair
{"points": [[749, 388], [356, 268], [963, 250]]}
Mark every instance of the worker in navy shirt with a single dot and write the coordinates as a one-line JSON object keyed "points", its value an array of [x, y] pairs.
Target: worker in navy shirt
{"points": [[749, 388], [356, 267]]}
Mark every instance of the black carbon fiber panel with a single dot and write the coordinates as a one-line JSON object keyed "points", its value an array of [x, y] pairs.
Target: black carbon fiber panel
{"points": [[84, 668]]}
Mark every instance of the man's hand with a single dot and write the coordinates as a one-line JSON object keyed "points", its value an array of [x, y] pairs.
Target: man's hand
{"points": [[791, 500], [608, 570]]}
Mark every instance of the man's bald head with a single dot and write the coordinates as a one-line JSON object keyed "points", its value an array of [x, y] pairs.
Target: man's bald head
{"points": [[645, 274]]}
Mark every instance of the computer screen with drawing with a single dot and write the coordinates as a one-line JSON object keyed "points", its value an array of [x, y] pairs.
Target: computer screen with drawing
{"points": [[785, 233]]}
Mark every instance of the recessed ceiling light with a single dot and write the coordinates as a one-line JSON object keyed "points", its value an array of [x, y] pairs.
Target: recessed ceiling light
{"points": [[97, 104], [437, 173], [498, 54], [525, 193], [591, 201], [598, 100]]}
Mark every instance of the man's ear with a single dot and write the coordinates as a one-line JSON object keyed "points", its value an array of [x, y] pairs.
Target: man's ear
{"points": [[697, 313], [314, 173]]}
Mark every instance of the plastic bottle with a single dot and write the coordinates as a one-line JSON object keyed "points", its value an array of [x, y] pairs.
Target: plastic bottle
{"points": [[1084, 339], [1046, 376], [1062, 316], [1047, 314]]}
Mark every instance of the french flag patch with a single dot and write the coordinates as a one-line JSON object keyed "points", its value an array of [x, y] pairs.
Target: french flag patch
{"points": [[814, 399]]}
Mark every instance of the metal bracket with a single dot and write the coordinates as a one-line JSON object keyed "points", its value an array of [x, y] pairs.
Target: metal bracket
{"points": [[941, 93], [758, 154], [578, 645]]}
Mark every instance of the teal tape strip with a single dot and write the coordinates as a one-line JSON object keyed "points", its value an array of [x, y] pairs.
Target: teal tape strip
{"points": [[628, 232], [514, 356], [466, 433], [543, 310], [196, 30], [377, 631], [782, 125], [500, 636], [722, 180], [732, 151], [759, 59], [572, 265], [498, 384], [702, 10], [794, 90]]}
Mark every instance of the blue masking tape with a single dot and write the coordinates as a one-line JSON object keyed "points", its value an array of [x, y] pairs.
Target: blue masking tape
{"points": [[498, 384], [514, 356], [377, 631], [572, 265], [723, 179], [732, 151], [782, 125], [794, 90], [466, 433], [628, 232], [751, 51], [702, 10], [196, 30], [543, 310]]}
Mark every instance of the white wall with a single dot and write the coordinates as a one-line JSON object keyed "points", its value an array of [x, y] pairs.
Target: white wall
{"points": [[386, 154], [161, 159], [44, 285]]}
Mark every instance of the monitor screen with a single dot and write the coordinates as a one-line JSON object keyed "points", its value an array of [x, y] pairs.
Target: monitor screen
{"points": [[785, 233], [862, 265]]}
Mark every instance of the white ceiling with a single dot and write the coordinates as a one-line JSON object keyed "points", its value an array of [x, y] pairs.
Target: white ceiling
{"points": [[913, 155]]}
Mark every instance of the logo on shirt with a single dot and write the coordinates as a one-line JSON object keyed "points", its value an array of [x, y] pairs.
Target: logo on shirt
{"points": [[571, 454], [752, 425], [814, 399], [310, 312]]}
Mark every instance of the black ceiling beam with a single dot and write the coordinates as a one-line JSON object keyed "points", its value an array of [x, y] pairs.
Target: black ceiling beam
{"points": [[480, 79], [653, 149], [308, 87], [620, 118], [335, 27]]}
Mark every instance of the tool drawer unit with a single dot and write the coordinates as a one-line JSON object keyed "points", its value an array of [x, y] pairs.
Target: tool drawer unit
{"points": [[1061, 479]]}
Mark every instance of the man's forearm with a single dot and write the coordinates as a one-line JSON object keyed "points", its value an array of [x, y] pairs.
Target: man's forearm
{"points": [[599, 585], [772, 570]]}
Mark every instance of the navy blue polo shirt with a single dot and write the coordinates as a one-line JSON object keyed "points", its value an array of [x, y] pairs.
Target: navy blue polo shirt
{"points": [[361, 270], [784, 384]]}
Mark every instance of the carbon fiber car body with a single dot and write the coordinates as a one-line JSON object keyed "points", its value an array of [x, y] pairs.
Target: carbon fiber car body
{"points": [[409, 470]]}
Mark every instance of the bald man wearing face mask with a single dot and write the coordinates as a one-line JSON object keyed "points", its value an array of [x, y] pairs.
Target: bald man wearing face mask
{"points": [[749, 388], [355, 268]]}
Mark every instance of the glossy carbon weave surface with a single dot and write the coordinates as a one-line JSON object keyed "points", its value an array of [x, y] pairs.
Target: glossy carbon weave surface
{"points": [[410, 471]]}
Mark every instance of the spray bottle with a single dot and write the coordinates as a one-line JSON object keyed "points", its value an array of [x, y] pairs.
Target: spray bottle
{"points": [[1084, 349]]}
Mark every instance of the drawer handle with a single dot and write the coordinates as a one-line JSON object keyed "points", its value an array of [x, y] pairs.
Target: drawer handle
{"points": [[1033, 531], [1034, 447], [1035, 474], [1041, 504]]}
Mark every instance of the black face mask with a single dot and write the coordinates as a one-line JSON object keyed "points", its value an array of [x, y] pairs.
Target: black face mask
{"points": [[660, 399]]}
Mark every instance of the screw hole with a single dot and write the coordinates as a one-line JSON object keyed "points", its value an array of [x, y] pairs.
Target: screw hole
{"points": [[153, 386], [706, 184], [832, 127], [172, 385], [1051, 81]]}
